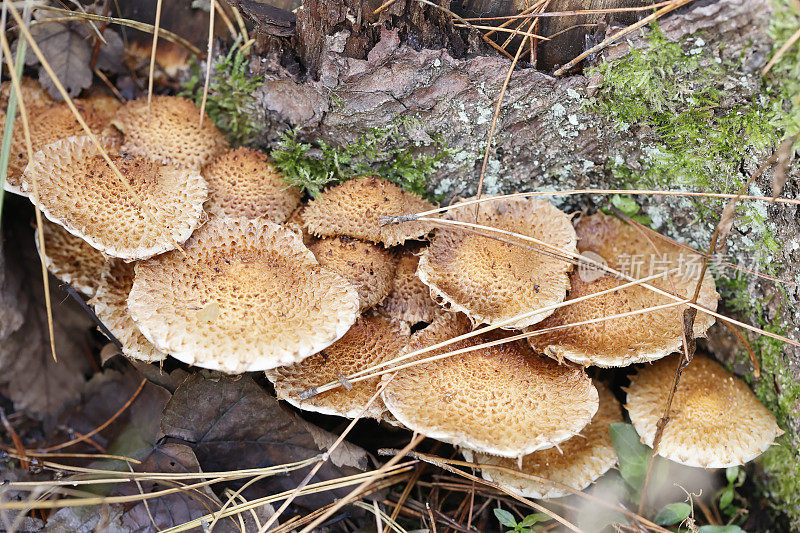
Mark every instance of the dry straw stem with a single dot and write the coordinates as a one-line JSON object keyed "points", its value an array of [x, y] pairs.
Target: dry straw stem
{"points": [[29, 148], [571, 13], [323, 460], [146, 210], [365, 374], [781, 51], [153, 56], [671, 6], [209, 57]]}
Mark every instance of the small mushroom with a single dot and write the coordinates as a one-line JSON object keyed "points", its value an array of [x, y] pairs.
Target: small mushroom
{"points": [[576, 463], [492, 280], [503, 400], [715, 419], [410, 299], [634, 338], [170, 133], [369, 268], [78, 190], [110, 304], [247, 296], [355, 208], [70, 258], [244, 183], [372, 340]]}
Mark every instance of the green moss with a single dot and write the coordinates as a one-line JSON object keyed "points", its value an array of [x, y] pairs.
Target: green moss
{"points": [[230, 95], [385, 151]]}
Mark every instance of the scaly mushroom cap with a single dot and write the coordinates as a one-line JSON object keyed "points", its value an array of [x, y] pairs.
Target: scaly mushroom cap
{"points": [[410, 299], [576, 463], [243, 183], [295, 223], [369, 268], [172, 134], [32, 92], [110, 304], [105, 105], [503, 400], [635, 338], [248, 296], [78, 190], [372, 340], [70, 258], [47, 124], [490, 280], [354, 208], [715, 421]]}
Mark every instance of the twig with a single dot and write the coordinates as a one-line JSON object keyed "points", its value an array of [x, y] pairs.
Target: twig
{"points": [[153, 58], [23, 456], [69, 289], [209, 55]]}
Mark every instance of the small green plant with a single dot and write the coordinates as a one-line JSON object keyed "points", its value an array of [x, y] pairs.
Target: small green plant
{"points": [[381, 151], [629, 208], [230, 95], [532, 522]]}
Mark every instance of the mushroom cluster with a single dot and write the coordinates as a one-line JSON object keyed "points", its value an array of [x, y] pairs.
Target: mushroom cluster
{"points": [[190, 249]]}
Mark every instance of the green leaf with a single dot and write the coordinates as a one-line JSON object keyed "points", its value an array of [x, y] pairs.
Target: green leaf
{"points": [[732, 474], [674, 513], [642, 219], [726, 498], [505, 518], [632, 454], [533, 519], [627, 205], [721, 529]]}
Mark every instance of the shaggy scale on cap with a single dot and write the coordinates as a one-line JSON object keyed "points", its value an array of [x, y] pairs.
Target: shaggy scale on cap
{"points": [[355, 208], [172, 134], [32, 93], [243, 183], [576, 463], [70, 258], [636, 338], [110, 304], [504, 400], [78, 190], [369, 268], [248, 297], [410, 299], [490, 280], [715, 422], [372, 340]]}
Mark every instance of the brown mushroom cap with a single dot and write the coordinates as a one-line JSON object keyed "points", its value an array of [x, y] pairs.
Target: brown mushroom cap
{"points": [[32, 92], [110, 304], [47, 123], [410, 299], [78, 190], [70, 258], [369, 268], [295, 223], [243, 183], [248, 296], [576, 463], [372, 340], [635, 338], [492, 281], [355, 207], [715, 421], [503, 400], [104, 105], [172, 134]]}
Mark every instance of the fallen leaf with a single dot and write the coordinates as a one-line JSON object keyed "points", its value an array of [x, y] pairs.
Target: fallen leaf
{"points": [[233, 424], [785, 156], [725, 223], [32, 380], [106, 518]]}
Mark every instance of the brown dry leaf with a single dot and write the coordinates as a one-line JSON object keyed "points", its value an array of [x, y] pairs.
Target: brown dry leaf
{"points": [[233, 424], [28, 374], [785, 156], [726, 222]]}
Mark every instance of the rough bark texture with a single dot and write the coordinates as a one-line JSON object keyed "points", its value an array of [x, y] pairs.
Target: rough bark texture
{"points": [[356, 73]]}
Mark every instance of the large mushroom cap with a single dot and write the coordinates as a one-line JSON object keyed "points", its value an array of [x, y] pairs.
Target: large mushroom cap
{"points": [[243, 183], [32, 93], [172, 134], [356, 207], [715, 421], [248, 296], [110, 304], [576, 463], [78, 190], [47, 123], [369, 268], [410, 299], [635, 338], [70, 258], [491, 280], [503, 400], [372, 340]]}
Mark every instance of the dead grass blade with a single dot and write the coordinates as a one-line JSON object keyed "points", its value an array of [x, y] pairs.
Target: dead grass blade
{"points": [[546, 14], [209, 57], [153, 57], [781, 52]]}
